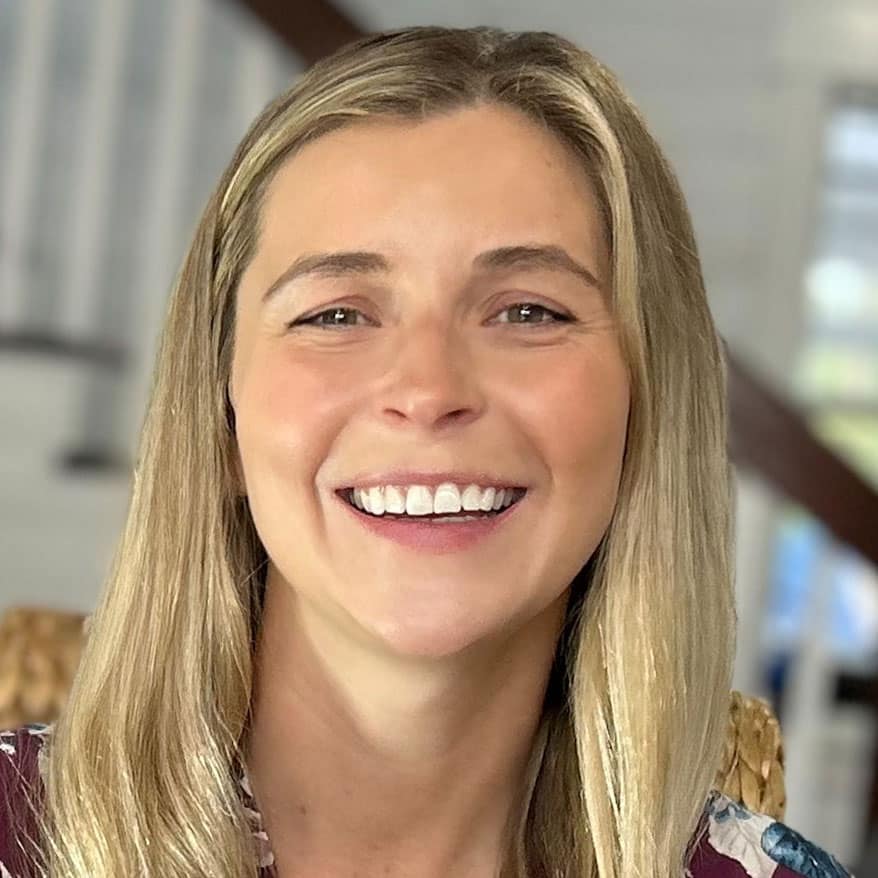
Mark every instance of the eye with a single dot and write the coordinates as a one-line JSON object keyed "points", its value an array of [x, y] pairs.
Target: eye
{"points": [[334, 314], [526, 309]]}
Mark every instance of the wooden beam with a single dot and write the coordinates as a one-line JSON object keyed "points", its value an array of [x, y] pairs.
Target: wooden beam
{"points": [[311, 28], [768, 435]]}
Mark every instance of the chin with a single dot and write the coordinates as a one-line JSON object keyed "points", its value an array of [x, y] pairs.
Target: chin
{"points": [[436, 635]]}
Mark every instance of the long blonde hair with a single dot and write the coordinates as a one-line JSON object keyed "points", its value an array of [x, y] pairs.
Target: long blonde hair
{"points": [[141, 766]]}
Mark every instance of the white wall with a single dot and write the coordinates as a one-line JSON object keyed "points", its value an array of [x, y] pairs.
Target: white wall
{"points": [[117, 118]]}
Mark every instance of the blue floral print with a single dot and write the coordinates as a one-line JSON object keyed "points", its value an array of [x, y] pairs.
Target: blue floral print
{"points": [[760, 845], [787, 847]]}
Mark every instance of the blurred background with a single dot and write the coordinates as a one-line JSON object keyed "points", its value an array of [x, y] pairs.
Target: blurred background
{"points": [[116, 119]]}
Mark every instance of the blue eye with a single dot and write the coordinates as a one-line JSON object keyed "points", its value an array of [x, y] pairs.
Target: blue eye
{"points": [[526, 309]]}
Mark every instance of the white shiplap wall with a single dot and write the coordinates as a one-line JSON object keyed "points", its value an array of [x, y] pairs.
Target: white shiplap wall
{"points": [[117, 116]]}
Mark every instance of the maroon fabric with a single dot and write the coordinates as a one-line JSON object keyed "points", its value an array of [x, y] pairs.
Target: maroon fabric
{"points": [[707, 863], [20, 786]]}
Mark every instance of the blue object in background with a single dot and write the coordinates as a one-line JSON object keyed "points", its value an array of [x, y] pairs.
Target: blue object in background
{"points": [[852, 620]]}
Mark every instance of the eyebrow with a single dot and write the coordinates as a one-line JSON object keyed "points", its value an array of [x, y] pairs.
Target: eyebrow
{"points": [[357, 262]]}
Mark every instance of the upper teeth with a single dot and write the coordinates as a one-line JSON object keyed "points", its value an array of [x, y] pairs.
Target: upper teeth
{"points": [[420, 500]]}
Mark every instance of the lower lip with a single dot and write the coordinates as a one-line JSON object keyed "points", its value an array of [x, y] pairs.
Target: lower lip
{"points": [[430, 536]]}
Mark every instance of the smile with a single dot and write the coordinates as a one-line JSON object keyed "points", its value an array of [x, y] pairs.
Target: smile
{"points": [[448, 501], [435, 532]]}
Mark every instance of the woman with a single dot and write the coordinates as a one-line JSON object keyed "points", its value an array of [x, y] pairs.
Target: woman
{"points": [[426, 570]]}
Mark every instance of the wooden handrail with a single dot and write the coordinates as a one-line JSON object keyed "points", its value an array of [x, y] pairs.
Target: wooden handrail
{"points": [[768, 435], [313, 29]]}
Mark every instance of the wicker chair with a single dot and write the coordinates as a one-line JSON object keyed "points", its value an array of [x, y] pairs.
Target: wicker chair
{"points": [[751, 769], [40, 649], [39, 653]]}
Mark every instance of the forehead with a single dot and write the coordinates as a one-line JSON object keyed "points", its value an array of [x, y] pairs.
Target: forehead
{"points": [[448, 185]]}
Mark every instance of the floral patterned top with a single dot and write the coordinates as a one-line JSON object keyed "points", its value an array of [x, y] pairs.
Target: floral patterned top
{"points": [[737, 843]]}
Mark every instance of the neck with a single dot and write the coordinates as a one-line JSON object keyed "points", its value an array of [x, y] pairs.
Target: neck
{"points": [[366, 761]]}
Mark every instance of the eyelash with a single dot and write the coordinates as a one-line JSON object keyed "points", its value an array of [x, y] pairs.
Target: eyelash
{"points": [[557, 315]]}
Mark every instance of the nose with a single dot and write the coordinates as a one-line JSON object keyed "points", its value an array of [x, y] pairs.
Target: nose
{"points": [[432, 380]]}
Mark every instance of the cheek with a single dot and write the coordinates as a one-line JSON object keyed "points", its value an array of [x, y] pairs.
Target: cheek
{"points": [[282, 414], [583, 416], [580, 403]]}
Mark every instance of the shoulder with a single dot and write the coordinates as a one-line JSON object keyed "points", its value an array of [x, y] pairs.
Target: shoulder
{"points": [[22, 772], [739, 843]]}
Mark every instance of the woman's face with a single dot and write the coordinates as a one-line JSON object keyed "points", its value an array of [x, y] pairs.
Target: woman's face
{"points": [[428, 362]]}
